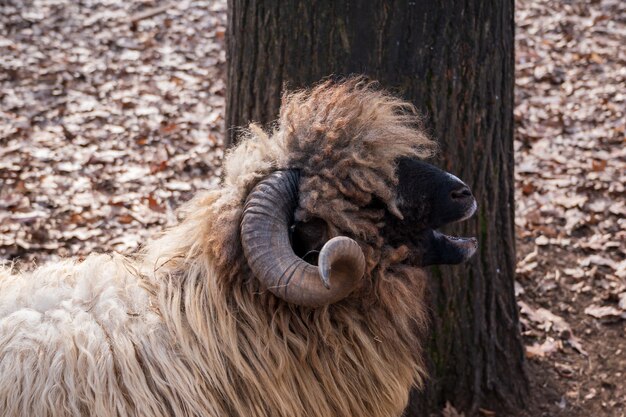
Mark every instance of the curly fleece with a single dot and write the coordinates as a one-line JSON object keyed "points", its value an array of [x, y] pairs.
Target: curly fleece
{"points": [[184, 329]]}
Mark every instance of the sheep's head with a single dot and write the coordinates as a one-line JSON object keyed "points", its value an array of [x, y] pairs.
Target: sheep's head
{"points": [[428, 198], [352, 180]]}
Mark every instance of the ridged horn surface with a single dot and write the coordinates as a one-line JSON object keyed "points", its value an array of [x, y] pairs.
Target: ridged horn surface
{"points": [[267, 216]]}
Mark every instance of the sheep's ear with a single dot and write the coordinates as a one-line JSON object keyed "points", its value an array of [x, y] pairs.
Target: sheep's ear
{"points": [[308, 238], [391, 206], [393, 209]]}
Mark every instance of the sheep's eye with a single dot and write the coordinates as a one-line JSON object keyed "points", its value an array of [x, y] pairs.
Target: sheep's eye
{"points": [[308, 238]]}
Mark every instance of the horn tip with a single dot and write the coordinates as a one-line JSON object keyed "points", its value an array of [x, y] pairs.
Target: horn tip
{"points": [[325, 277]]}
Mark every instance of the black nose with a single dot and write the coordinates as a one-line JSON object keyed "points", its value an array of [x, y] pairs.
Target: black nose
{"points": [[462, 193]]}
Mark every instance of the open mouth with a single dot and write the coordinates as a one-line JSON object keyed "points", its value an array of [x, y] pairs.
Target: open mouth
{"points": [[467, 245], [458, 249], [451, 250]]}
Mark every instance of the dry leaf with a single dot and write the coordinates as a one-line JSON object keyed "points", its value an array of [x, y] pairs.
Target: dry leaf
{"points": [[605, 312], [548, 347]]}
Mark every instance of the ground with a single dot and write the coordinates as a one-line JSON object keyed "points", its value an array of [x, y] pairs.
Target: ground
{"points": [[111, 116], [109, 119], [570, 206]]}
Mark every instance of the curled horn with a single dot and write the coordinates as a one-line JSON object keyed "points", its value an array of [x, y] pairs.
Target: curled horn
{"points": [[267, 216]]}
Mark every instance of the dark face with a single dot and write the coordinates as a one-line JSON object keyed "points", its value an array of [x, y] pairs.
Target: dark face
{"points": [[429, 198]]}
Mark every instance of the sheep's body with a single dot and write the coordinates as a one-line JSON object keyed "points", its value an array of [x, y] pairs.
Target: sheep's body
{"points": [[183, 329], [68, 337]]}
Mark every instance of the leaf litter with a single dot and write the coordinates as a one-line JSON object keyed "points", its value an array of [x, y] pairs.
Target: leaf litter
{"points": [[570, 179], [111, 116]]}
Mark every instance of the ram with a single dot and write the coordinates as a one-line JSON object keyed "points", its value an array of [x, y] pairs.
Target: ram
{"points": [[295, 288]]}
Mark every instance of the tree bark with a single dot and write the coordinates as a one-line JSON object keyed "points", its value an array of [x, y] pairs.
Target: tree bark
{"points": [[454, 60]]}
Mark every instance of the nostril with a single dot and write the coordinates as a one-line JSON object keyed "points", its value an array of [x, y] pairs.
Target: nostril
{"points": [[461, 193]]}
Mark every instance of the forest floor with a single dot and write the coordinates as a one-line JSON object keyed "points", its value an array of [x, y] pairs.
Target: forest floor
{"points": [[570, 203], [112, 114]]}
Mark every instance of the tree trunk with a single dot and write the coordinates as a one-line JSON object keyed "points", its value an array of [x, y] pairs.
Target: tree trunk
{"points": [[454, 61]]}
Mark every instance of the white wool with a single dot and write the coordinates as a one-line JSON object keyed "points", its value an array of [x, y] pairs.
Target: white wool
{"points": [[58, 326]]}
